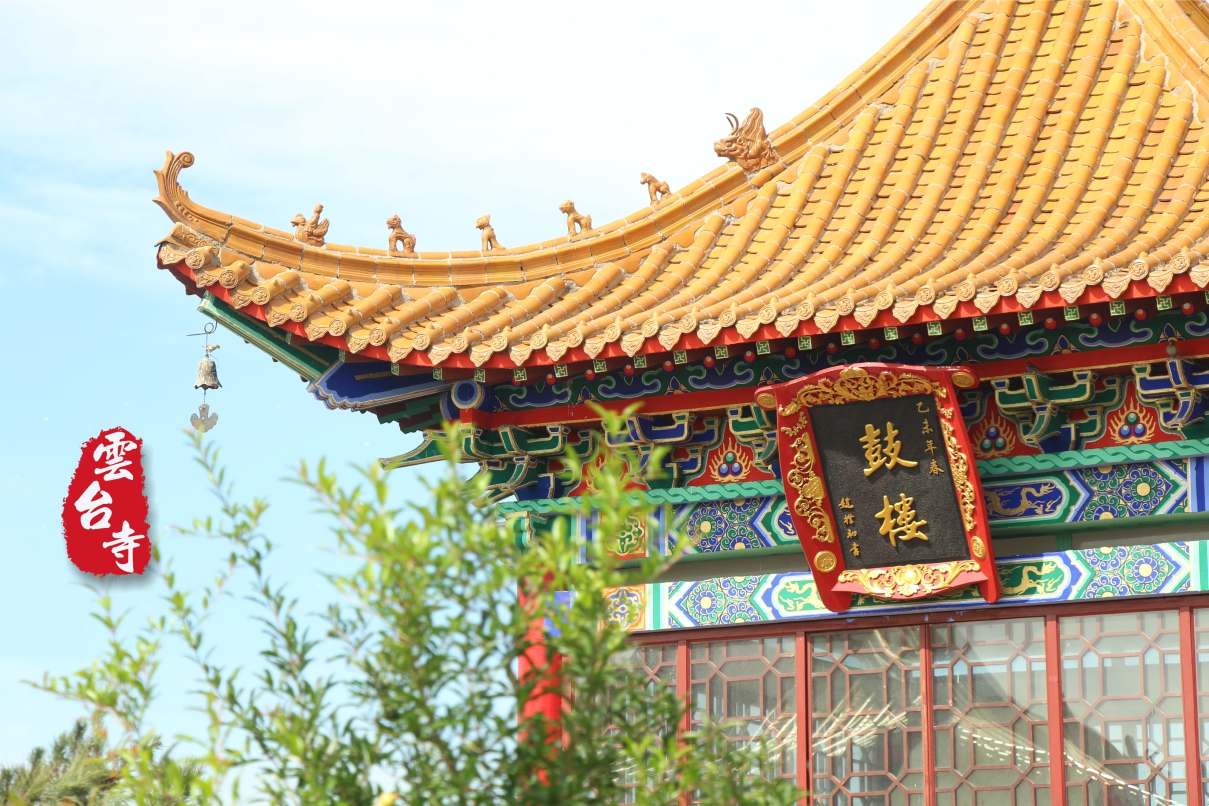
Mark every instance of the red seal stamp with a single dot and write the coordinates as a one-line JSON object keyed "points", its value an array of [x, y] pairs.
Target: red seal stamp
{"points": [[105, 511]]}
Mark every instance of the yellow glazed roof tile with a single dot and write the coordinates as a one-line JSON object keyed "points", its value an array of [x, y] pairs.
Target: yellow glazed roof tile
{"points": [[991, 156]]}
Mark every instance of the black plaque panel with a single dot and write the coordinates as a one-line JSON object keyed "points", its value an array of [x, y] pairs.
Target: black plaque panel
{"points": [[838, 432]]}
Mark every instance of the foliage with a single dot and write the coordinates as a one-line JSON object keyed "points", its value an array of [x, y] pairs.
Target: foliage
{"points": [[74, 769], [434, 650]]}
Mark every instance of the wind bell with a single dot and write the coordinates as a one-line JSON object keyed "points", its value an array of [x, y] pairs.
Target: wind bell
{"points": [[207, 378]]}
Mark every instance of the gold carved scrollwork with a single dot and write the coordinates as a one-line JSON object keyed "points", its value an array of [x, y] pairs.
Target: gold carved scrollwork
{"points": [[809, 485], [172, 198], [961, 474], [909, 581], [856, 384]]}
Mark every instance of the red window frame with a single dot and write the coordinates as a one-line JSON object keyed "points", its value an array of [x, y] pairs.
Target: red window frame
{"points": [[1185, 605]]}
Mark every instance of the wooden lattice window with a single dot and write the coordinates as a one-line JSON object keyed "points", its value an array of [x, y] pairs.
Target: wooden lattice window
{"points": [[989, 711], [866, 732], [658, 664], [749, 686], [966, 708], [1122, 710]]}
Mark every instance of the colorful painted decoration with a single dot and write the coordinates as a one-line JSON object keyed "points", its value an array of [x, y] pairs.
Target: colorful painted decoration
{"points": [[1063, 576], [105, 511], [881, 482]]}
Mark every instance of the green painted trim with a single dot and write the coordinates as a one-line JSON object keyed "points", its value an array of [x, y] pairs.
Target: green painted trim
{"points": [[429, 450], [1063, 539], [1000, 530], [1073, 460], [654, 614], [1202, 564], [724, 556], [1150, 521], [989, 469], [416, 407], [306, 363]]}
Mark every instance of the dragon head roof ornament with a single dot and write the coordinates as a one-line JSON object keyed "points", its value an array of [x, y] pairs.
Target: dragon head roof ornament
{"points": [[748, 145], [829, 222]]}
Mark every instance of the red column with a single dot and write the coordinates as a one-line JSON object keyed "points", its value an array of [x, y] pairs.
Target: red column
{"points": [[929, 735], [1192, 723], [802, 692], [546, 698], [1057, 733], [684, 694]]}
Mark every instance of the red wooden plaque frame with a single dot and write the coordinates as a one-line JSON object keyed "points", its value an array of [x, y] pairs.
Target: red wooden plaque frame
{"points": [[809, 501]]}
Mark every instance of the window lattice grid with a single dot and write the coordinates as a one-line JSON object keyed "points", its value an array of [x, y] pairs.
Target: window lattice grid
{"points": [[989, 711], [657, 663], [1202, 689], [749, 686], [867, 735], [1122, 710]]}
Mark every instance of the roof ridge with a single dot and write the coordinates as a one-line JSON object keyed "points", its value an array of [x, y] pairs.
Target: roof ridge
{"points": [[991, 158]]}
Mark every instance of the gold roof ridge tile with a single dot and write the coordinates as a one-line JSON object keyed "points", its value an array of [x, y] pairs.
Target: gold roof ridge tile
{"points": [[1022, 146], [985, 149]]}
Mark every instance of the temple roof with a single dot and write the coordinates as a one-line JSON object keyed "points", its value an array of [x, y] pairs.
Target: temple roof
{"points": [[993, 157]]}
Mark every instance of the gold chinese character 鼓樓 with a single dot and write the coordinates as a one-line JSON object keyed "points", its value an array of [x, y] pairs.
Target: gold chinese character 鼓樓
{"points": [[876, 456], [935, 469], [898, 520]]}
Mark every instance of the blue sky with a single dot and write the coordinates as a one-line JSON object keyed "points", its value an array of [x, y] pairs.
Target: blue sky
{"points": [[438, 113]]}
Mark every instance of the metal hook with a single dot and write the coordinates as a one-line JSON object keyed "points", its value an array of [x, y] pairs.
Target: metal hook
{"points": [[207, 329]]}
